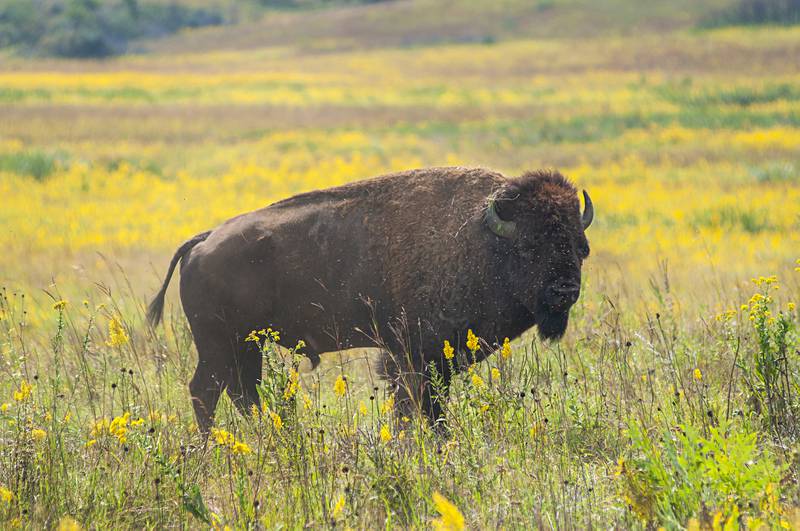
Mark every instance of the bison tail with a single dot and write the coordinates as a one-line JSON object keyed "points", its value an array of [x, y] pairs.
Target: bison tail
{"points": [[156, 307]]}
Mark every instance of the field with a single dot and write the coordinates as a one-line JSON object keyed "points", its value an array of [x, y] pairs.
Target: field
{"points": [[674, 399]]}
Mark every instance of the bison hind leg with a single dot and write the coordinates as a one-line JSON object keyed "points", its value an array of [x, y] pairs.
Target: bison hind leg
{"points": [[209, 380], [215, 370]]}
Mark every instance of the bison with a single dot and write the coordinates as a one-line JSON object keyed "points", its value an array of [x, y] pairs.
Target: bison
{"points": [[401, 261]]}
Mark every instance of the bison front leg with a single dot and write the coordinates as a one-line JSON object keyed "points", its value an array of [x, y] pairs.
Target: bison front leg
{"points": [[422, 391], [246, 377]]}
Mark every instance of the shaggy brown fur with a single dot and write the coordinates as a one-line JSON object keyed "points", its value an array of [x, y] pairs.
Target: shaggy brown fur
{"points": [[404, 261]]}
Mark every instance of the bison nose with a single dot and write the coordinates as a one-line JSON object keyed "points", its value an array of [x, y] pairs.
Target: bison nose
{"points": [[565, 293]]}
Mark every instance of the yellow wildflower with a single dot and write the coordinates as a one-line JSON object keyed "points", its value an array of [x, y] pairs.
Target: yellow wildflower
{"points": [[241, 448], [38, 434], [698, 375], [137, 422], [60, 305], [277, 421], [448, 350], [100, 427], [254, 412], [401, 435], [227, 440], [119, 427], [388, 405], [362, 408], [292, 385], [791, 306], [23, 392], [68, 524], [4, 407], [506, 350], [90, 443], [307, 403], [472, 341], [222, 437], [340, 386], [495, 374], [765, 281], [725, 316], [477, 381], [252, 336], [6, 495], [117, 336], [620, 467], [338, 507], [386, 433], [798, 266], [451, 518]]}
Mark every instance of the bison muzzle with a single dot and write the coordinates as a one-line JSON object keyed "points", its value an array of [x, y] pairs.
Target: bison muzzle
{"points": [[413, 258]]}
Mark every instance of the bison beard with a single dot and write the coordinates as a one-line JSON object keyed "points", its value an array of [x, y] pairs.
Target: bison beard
{"points": [[441, 248], [551, 325]]}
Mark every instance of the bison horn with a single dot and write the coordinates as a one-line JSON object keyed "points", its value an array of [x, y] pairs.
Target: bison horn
{"points": [[504, 229], [588, 211]]}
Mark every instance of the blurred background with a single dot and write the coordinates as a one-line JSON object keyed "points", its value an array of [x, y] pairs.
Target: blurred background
{"points": [[127, 126]]}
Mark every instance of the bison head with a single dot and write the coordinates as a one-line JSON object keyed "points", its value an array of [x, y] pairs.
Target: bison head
{"points": [[542, 244]]}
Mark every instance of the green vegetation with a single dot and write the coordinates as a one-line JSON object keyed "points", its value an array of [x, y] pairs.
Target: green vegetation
{"points": [[756, 12], [629, 425], [92, 28], [34, 163]]}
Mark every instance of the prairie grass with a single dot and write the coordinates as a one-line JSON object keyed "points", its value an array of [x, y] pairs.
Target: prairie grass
{"points": [[672, 401]]}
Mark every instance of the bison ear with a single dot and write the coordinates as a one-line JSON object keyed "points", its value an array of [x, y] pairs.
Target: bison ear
{"points": [[498, 218]]}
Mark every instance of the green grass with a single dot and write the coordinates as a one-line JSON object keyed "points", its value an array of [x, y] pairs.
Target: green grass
{"points": [[741, 96], [633, 419]]}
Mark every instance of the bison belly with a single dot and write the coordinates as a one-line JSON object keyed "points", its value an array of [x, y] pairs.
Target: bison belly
{"points": [[296, 274]]}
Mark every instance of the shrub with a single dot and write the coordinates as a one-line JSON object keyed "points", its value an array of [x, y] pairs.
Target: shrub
{"points": [[754, 12], [90, 28], [681, 475], [34, 163], [770, 368]]}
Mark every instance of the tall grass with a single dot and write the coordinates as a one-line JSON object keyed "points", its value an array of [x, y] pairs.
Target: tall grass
{"points": [[634, 420]]}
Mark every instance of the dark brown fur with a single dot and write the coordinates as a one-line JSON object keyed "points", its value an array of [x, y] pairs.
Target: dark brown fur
{"points": [[404, 261]]}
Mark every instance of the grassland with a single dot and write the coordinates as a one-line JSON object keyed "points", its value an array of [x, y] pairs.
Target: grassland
{"points": [[672, 401]]}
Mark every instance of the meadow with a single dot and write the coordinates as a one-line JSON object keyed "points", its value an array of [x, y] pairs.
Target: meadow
{"points": [[673, 401]]}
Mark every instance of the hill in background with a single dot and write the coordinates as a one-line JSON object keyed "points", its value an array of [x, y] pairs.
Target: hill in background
{"points": [[101, 28]]}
